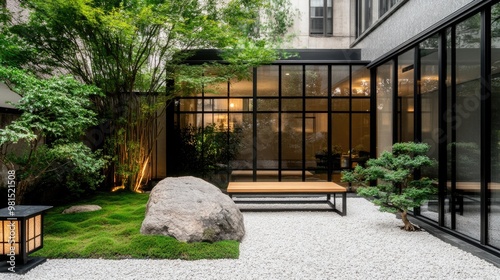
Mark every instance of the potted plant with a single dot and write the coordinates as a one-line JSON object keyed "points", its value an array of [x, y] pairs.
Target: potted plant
{"points": [[322, 157]]}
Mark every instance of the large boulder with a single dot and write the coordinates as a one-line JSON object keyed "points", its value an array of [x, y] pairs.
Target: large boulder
{"points": [[191, 209]]}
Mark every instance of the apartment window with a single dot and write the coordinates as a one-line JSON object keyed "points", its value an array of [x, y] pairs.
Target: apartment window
{"points": [[386, 5], [321, 23], [365, 15]]}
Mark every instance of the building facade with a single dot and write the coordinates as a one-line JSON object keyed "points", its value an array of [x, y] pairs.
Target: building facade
{"points": [[391, 71], [368, 74], [435, 81]]}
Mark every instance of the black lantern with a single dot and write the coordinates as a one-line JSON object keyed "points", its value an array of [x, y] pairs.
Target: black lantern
{"points": [[21, 233]]}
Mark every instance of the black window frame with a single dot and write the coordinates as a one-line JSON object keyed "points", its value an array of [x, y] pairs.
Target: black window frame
{"points": [[326, 30]]}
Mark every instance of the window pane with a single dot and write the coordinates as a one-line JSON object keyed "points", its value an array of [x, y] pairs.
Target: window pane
{"points": [[291, 104], [218, 89], [190, 105], [340, 143], [360, 141], [467, 114], [267, 104], [317, 80], [429, 83], [340, 81], [317, 3], [316, 146], [240, 104], [241, 88], [494, 186], [340, 104], [267, 141], [242, 124], [405, 96], [360, 81], [384, 108], [316, 104], [267, 80], [291, 134], [316, 26], [361, 104], [292, 80]]}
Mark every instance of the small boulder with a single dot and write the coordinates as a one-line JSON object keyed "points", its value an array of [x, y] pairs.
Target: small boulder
{"points": [[192, 210], [81, 208]]}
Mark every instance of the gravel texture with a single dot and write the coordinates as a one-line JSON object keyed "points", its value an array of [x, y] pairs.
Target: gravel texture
{"points": [[365, 244]]}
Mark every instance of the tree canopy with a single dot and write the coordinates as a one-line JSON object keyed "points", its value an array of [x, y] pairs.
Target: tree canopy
{"points": [[130, 49], [56, 112]]}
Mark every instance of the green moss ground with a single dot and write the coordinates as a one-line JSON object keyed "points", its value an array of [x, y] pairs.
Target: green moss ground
{"points": [[114, 233]]}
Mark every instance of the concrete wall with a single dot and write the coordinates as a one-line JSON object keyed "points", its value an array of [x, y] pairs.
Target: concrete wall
{"points": [[410, 19], [341, 27], [7, 96]]}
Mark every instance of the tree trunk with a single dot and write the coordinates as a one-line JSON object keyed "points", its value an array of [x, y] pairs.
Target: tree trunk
{"points": [[21, 188], [408, 226]]}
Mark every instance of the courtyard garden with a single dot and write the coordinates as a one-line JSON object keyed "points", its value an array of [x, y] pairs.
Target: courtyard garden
{"points": [[114, 233]]}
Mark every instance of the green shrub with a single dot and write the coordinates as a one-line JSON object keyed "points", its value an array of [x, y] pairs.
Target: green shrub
{"points": [[396, 188]]}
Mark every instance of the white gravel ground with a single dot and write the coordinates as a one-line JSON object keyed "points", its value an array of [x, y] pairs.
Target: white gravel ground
{"points": [[365, 244]]}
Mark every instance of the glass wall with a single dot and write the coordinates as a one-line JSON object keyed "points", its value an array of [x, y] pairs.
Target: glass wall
{"points": [[466, 139], [384, 107], [429, 118], [455, 110], [316, 121], [292, 123], [494, 185], [406, 100]]}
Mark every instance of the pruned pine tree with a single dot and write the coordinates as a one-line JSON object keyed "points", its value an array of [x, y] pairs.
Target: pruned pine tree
{"points": [[396, 189]]}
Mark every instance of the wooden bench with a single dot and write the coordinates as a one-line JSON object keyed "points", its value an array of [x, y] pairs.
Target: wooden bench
{"points": [[290, 188], [468, 190]]}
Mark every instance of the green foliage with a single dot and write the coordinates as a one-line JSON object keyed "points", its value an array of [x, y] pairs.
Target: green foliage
{"points": [[14, 51], [58, 111], [125, 47], [74, 171], [58, 107], [204, 150], [114, 233], [396, 190]]}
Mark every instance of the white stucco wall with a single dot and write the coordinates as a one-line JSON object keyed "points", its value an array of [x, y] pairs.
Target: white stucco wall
{"points": [[341, 27], [412, 18]]}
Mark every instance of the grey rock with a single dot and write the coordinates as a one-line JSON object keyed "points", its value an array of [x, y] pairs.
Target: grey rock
{"points": [[192, 210], [81, 208]]}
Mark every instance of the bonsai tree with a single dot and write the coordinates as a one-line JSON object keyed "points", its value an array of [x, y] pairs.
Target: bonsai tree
{"points": [[397, 189]]}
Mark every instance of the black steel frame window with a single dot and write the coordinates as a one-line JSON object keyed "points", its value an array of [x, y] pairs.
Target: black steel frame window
{"points": [[460, 198], [306, 109], [321, 17]]}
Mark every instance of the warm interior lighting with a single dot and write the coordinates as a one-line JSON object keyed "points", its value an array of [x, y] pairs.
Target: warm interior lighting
{"points": [[231, 105], [9, 230]]}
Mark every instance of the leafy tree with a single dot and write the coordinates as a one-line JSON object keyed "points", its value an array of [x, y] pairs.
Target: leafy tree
{"points": [[203, 150], [130, 46], [397, 189], [56, 112]]}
